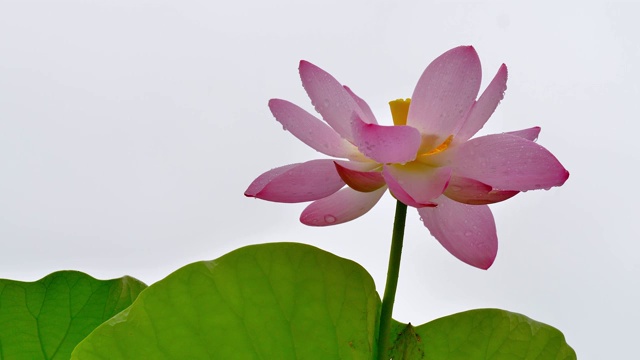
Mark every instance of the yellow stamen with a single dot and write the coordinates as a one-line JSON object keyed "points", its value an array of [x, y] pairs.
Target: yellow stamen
{"points": [[442, 147], [399, 111]]}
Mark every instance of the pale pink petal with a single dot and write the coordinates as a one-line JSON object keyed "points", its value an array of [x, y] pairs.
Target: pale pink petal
{"points": [[345, 205], [363, 181], [508, 162], [468, 232], [445, 92], [485, 106], [294, 183], [368, 116], [473, 192], [422, 183], [401, 195], [329, 98], [530, 134], [311, 130], [386, 144]]}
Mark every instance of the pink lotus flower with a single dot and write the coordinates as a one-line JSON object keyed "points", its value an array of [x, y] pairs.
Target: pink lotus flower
{"points": [[425, 159]]}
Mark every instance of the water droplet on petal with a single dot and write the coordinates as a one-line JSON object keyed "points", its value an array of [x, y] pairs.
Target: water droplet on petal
{"points": [[468, 233], [326, 103], [329, 219]]}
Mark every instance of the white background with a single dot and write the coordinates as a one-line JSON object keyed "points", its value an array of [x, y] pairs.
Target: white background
{"points": [[129, 131]]}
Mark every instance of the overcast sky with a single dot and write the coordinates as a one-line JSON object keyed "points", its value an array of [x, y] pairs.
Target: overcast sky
{"points": [[129, 131]]}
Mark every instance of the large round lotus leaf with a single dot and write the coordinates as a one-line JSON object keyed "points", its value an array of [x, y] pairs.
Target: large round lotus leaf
{"points": [[490, 334], [270, 301], [47, 318]]}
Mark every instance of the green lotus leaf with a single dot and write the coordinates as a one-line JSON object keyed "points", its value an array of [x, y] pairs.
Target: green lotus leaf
{"points": [[46, 319], [269, 301], [480, 334]]}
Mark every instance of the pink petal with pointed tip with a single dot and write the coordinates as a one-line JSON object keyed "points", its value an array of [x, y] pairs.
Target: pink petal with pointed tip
{"points": [[386, 144], [508, 162], [368, 116], [473, 192], [329, 98], [468, 232], [345, 205], [485, 106], [294, 183], [530, 134], [311, 130], [445, 92], [363, 181], [263, 180], [421, 182]]}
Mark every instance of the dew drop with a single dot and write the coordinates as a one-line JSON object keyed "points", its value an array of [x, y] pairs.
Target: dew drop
{"points": [[330, 219], [468, 233], [326, 102]]}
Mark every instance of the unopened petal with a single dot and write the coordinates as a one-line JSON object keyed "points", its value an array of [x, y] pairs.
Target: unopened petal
{"points": [[386, 144], [345, 205], [485, 106], [359, 180], [468, 232], [311, 130], [508, 162], [329, 98], [445, 92], [473, 192], [294, 183], [421, 182]]}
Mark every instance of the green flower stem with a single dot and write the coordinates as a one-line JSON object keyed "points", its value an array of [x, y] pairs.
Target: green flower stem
{"points": [[392, 280]]}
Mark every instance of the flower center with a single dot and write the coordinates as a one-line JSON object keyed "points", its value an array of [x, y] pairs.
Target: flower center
{"points": [[399, 113], [438, 149]]}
